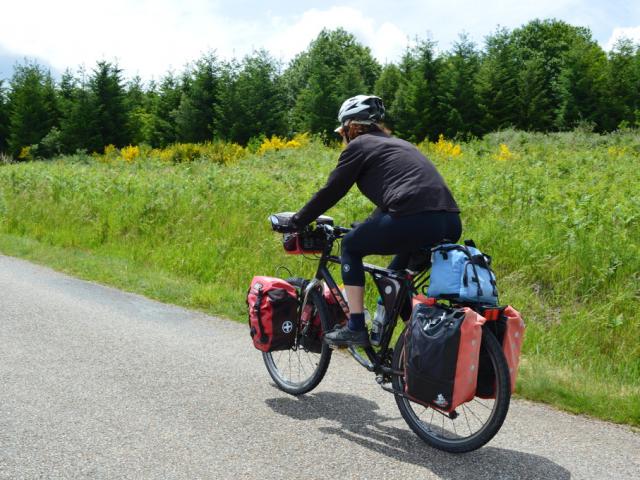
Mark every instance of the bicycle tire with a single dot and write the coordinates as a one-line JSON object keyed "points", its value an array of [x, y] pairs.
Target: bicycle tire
{"points": [[435, 435], [297, 355]]}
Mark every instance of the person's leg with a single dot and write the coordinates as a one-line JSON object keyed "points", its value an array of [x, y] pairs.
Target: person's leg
{"points": [[383, 235], [355, 298], [399, 261], [355, 246], [352, 269], [353, 278]]}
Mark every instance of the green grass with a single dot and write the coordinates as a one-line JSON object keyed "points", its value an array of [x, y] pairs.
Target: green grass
{"points": [[561, 219]]}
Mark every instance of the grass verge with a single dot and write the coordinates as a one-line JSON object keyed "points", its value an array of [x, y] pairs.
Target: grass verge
{"points": [[566, 243]]}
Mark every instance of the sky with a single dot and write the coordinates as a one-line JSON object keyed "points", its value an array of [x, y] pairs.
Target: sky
{"points": [[150, 37]]}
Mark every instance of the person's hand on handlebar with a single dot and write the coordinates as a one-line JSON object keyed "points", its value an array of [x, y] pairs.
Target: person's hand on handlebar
{"points": [[294, 224]]}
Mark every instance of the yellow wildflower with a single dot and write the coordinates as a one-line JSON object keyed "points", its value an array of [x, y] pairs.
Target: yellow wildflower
{"points": [[130, 153], [25, 153], [504, 153], [276, 143], [444, 148]]}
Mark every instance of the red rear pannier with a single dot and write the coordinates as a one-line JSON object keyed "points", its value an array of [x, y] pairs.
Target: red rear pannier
{"points": [[442, 348], [273, 307], [507, 325]]}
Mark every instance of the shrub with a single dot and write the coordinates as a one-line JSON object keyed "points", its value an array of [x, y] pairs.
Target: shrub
{"points": [[276, 143]]}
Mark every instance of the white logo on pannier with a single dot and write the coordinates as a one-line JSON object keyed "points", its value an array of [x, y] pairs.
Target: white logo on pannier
{"points": [[441, 401], [287, 326]]}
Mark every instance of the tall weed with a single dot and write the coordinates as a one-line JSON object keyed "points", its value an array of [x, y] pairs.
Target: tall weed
{"points": [[560, 214]]}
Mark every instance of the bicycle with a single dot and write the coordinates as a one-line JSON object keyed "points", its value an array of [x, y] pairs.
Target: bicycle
{"points": [[481, 417]]}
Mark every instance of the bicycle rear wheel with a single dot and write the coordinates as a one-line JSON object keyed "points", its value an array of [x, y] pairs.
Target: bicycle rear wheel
{"points": [[299, 370], [474, 423]]}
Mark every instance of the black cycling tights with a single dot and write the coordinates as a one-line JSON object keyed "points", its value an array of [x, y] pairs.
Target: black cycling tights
{"points": [[383, 234]]}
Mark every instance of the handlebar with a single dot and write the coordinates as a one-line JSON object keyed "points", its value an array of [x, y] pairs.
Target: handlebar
{"points": [[335, 231], [282, 223]]}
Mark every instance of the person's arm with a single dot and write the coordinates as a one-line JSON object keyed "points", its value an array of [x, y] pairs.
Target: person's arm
{"points": [[340, 181]]}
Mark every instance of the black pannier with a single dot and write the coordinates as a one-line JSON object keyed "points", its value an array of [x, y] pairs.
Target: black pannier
{"points": [[442, 346]]}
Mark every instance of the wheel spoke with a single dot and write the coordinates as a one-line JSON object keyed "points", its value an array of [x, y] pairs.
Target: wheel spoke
{"points": [[464, 410], [479, 402], [477, 418]]}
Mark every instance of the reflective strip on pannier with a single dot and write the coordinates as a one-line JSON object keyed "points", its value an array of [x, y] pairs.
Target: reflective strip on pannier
{"points": [[442, 348], [508, 327], [512, 343], [273, 306]]}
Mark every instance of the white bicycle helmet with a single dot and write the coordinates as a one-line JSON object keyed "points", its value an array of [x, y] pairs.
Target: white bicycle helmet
{"points": [[361, 108]]}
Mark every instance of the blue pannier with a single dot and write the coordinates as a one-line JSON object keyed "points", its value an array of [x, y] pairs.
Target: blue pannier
{"points": [[462, 273]]}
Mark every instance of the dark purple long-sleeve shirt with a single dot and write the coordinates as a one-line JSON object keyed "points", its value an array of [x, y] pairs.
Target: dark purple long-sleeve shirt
{"points": [[390, 172]]}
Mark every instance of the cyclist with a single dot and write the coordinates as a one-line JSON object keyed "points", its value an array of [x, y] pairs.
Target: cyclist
{"points": [[415, 208]]}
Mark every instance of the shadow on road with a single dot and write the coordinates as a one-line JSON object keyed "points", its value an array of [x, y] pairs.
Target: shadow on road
{"points": [[362, 424]]}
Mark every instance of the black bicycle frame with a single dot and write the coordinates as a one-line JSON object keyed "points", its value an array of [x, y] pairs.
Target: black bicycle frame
{"points": [[377, 360]]}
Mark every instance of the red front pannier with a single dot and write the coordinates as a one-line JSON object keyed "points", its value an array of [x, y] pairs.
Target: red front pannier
{"points": [[507, 325], [313, 340], [273, 307], [441, 353]]}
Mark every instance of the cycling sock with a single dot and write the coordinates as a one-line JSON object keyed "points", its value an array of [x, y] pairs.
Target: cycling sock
{"points": [[356, 322]]}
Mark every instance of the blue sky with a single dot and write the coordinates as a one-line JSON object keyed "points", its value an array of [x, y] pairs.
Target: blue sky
{"points": [[148, 37]]}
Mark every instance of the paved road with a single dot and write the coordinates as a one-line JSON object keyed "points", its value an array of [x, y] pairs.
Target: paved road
{"points": [[97, 383]]}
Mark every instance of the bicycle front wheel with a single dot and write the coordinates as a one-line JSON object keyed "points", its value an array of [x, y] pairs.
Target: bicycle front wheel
{"points": [[300, 369], [473, 423]]}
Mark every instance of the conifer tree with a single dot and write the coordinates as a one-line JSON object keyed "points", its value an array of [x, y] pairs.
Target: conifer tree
{"points": [[33, 109], [458, 100], [110, 112], [78, 126], [4, 119], [165, 108], [386, 87], [415, 109], [196, 118], [254, 99], [497, 83], [139, 104]]}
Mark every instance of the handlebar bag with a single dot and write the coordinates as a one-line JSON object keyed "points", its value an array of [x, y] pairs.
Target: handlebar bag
{"points": [[273, 309], [462, 273], [442, 349], [507, 325]]}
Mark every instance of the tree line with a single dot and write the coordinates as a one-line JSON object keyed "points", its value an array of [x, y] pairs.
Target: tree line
{"points": [[544, 76]]}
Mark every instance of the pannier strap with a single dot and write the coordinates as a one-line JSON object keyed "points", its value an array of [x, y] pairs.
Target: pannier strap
{"points": [[256, 307]]}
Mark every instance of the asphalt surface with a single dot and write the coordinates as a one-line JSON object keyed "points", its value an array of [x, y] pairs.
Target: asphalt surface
{"points": [[97, 383]]}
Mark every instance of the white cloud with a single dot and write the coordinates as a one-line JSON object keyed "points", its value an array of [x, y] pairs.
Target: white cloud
{"points": [[148, 37], [145, 36], [386, 40], [632, 33]]}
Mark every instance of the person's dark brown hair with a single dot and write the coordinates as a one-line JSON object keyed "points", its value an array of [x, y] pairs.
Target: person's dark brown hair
{"points": [[356, 129]]}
